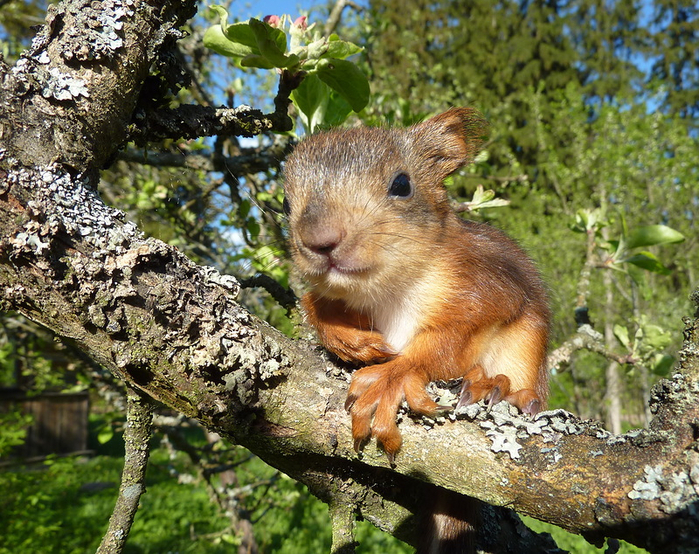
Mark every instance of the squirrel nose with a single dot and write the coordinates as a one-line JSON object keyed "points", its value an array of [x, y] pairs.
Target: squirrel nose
{"points": [[323, 240]]}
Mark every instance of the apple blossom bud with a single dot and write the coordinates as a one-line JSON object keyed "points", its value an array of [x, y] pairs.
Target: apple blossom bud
{"points": [[301, 23], [272, 20]]}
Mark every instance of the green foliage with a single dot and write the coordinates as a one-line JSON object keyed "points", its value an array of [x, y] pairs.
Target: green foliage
{"points": [[332, 87], [13, 430]]}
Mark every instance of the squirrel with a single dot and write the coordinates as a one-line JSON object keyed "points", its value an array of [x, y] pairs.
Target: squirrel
{"points": [[402, 285]]}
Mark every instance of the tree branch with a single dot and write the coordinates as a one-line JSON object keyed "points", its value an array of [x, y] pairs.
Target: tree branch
{"points": [[173, 330], [190, 121], [248, 160], [336, 15], [586, 338], [139, 419]]}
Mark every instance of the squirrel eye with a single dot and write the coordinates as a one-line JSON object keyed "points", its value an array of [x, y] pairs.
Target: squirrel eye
{"points": [[286, 206], [401, 186]]}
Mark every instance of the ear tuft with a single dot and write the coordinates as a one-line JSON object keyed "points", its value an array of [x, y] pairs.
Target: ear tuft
{"points": [[452, 139]]}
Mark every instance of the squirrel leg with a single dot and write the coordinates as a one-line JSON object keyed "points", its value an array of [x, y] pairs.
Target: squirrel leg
{"points": [[498, 388], [346, 333], [375, 395]]}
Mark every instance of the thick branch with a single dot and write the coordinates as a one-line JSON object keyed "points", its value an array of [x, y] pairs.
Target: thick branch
{"points": [[70, 97], [173, 330]]}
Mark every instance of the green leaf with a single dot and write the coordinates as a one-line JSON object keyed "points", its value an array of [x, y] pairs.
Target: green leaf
{"points": [[236, 40], [647, 261], [341, 49], [215, 40], [105, 434], [652, 235], [309, 97], [271, 43], [656, 337], [347, 79], [622, 334], [319, 105], [662, 365], [256, 60]]}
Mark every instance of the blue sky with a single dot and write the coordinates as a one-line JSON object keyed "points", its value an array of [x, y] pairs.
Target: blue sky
{"points": [[260, 8]]}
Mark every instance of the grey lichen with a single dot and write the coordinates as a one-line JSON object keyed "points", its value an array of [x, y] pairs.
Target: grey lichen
{"points": [[95, 33], [506, 426], [62, 86], [676, 490]]}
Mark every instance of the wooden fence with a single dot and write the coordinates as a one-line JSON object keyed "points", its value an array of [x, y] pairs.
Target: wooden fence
{"points": [[59, 423]]}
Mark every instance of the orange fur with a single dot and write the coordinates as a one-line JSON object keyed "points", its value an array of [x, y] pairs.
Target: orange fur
{"points": [[401, 283]]}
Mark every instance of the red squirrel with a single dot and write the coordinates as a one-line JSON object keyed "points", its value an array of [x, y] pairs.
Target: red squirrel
{"points": [[401, 283]]}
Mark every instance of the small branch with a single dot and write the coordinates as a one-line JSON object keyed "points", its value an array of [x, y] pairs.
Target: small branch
{"points": [[139, 418], [190, 122], [284, 297], [586, 339], [336, 15], [342, 517], [250, 160], [582, 316]]}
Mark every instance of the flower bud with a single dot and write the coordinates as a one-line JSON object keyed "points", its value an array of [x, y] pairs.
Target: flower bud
{"points": [[272, 20], [301, 23]]}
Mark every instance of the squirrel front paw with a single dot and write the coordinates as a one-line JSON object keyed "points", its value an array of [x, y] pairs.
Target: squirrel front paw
{"points": [[354, 345], [374, 397]]}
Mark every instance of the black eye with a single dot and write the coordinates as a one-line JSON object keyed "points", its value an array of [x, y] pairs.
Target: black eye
{"points": [[401, 186], [286, 206]]}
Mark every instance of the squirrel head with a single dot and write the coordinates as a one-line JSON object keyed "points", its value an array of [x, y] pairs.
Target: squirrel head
{"points": [[367, 206]]}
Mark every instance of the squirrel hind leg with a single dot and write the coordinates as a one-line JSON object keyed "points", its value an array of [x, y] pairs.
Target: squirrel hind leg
{"points": [[498, 388], [527, 401], [491, 389]]}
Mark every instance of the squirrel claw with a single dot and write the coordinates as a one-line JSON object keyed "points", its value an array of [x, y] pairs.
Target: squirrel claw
{"points": [[532, 408], [465, 395], [359, 445], [493, 397], [349, 402]]}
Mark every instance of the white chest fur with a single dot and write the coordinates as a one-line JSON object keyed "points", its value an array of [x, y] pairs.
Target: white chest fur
{"points": [[400, 317], [398, 322]]}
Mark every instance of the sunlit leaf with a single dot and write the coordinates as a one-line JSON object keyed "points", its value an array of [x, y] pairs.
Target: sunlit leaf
{"points": [[347, 79], [649, 262], [652, 235]]}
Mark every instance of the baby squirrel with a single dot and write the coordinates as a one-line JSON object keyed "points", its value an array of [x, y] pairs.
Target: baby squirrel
{"points": [[401, 284]]}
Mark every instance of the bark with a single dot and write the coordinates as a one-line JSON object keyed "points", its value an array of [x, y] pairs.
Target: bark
{"points": [[174, 331]]}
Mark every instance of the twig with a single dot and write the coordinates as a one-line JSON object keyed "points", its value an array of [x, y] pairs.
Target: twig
{"points": [[139, 419], [586, 338], [285, 297], [336, 15], [342, 517], [582, 316], [190, 121]]}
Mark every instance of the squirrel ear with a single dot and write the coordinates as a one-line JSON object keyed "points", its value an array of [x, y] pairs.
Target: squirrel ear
{"points": [[450, 140]]}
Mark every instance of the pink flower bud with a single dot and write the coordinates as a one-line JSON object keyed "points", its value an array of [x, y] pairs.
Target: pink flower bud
{"points": [[272, 20], [300, 22]]}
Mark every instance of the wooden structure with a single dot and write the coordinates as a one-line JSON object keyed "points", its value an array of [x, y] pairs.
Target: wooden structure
{"points": [[59, 423]]}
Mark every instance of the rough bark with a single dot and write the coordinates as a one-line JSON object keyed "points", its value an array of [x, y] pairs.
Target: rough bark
{"points": [[174, 331]]}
